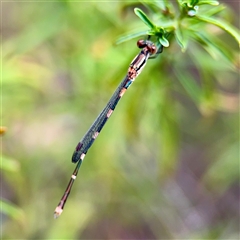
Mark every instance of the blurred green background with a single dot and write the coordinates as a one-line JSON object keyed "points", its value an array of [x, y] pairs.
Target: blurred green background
{"points": [[163, 167]]}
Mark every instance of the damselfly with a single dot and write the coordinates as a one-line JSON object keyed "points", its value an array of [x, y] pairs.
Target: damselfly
{"points": [[148, 49]]}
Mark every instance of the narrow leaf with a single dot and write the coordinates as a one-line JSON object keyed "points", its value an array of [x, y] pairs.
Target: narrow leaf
{"points": [[223, 25], [215, 10], [213, 45], [144, 18], [180, 38], [11, 210], [210, 2], [194, 3], [189, 85], [131, 35]]}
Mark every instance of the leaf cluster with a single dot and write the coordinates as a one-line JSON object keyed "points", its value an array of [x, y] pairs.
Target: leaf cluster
{"points": [[184, 21]]}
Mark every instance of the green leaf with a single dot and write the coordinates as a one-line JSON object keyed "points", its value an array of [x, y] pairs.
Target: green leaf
{"points": [[223, 25], [215, 10], [132, 35], [154, 5], [189, 85], [213, 45], [144, 18], [193, 3], [181, 2], [164, 41], [182, 41], [11, 210], [210, 2]]}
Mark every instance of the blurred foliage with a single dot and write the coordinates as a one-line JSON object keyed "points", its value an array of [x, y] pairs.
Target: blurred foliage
{"points": [[166, 166]]}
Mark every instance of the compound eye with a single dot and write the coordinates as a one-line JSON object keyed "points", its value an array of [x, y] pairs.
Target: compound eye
{"points": [[141, 43], [152, 49]]}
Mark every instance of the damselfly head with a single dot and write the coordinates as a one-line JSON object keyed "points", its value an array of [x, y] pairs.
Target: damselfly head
{"points": [[141, 43], [147, 44]]}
